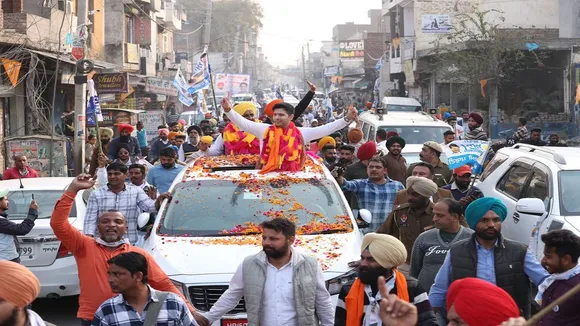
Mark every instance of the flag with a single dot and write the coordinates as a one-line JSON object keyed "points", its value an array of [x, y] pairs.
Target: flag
{"points": [[93, 105], [200, 79], [483, 83], [379, 64], [466, 152], [182, 94], [12, 70]]}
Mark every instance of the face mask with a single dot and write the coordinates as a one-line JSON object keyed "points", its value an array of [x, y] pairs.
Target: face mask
{"points": [[111, 244], [124, 139]]}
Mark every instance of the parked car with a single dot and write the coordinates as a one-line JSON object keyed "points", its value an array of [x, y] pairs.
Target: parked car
{"points": [[40, 250], [539, 186], [211, 225]]}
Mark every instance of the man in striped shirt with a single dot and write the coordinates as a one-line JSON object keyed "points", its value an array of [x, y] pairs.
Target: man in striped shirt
{"points": [[358, 302]]}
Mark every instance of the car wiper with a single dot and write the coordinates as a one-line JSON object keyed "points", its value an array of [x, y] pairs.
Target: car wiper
{"points": [[331, 231]]}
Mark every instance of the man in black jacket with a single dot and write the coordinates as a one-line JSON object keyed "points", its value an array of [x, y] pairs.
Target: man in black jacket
{"points": [[9, 249], [298, 109]]}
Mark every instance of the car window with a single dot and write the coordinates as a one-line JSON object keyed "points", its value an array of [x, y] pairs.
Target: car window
{"points": [[497, 160], [237, 208], [418, 134], [365, 129], [371, 134], [19, 202], [569, 193], [539, 186], [512, 183]]}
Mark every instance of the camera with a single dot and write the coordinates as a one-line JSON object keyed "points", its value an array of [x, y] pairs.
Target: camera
{"points": [[341, 166]]}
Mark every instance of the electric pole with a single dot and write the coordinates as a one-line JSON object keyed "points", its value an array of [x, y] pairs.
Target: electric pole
{"points": [[304, 70], [80, 96], [207, 25]]}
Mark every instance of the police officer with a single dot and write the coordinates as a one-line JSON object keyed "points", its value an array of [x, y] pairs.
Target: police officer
{"points": [[431, 153], [412, 218]]}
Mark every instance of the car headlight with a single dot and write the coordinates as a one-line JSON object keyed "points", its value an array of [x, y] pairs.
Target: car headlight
{"points": [[335, 285]]}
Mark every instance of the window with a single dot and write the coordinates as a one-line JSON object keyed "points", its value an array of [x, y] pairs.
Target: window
{"points": [[418, 134], [365, 129], [512, 183], [497, 160], [569, 194], [539, 186], [19, 201], [372, 134], [129, 29]]}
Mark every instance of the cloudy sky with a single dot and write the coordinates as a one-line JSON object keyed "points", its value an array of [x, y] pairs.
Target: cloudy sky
{"points": [[289, 24]]}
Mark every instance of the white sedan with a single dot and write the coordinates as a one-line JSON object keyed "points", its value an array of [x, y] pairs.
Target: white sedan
{"points": [[40, 250]]}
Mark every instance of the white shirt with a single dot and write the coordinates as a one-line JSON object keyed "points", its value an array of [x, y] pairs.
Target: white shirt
{"points": [[217, 148], [283, 312], [308, 134]]}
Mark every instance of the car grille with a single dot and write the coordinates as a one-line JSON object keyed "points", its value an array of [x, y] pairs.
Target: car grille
{"points": [[204, 297]]}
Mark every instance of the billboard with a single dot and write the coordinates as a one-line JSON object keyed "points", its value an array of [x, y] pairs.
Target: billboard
{"points": [[232, 83], [351, 49], [435, 24]]}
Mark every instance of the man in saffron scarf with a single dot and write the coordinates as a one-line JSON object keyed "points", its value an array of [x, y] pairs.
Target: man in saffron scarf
{"points": [[358, 302], [283, 142], [233, 140]]}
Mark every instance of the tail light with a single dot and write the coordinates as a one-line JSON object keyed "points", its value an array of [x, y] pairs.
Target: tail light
{"points": [[63, 252]]}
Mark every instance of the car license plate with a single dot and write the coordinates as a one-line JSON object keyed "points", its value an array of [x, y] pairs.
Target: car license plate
{"points": [[26, 251], [234, 322]]}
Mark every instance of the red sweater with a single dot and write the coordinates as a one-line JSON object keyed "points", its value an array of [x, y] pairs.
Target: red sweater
{"points": [[13, 173], [92, 260]]}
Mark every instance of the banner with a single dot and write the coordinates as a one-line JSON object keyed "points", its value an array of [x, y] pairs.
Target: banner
{"points": [[12, 70], [466, 152], [232, 83], [182, 86], [436, 24], [93, 105], [200, 78]]}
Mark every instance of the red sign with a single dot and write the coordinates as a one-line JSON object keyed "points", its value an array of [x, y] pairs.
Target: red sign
{"points": [[143, 31], [78, 53], [234, 322]]}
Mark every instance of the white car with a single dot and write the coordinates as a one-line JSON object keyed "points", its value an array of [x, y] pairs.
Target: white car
{"points": [[539, 186], [40, 250], [211, 225]]}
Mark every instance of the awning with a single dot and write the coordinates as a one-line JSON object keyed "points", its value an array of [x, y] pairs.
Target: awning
{"points": [[66, 58], [124, 110]]}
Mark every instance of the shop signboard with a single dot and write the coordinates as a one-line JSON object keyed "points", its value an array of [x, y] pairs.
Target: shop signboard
{"points": [[111, 83], [160, 86], [352, 49]]}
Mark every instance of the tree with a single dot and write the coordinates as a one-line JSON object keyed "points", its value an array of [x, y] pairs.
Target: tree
{"points": [[480, 48]]}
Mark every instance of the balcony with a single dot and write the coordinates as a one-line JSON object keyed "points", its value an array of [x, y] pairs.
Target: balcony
{"points": [[172, 15]]}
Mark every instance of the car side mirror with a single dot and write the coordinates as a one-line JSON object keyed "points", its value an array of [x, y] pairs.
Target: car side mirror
{"points": [[531, 206], [143, 220], [365, 215]]}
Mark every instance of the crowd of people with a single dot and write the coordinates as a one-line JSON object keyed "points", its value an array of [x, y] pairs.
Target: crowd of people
{"points": [[433, 253]]}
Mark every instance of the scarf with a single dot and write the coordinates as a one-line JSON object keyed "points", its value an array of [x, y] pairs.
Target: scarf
{"points": [[475, 134], [355, 299], [239, 142], [111, 244], [555, 277], [282, 151]]}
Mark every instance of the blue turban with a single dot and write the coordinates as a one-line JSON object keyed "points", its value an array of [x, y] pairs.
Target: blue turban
{"points": [[446, 115], [478, 208]]}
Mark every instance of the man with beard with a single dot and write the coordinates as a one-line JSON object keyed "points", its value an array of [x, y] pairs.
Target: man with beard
{"points": [[431, 153], [461, 188], [424, 170], [535, 138], [475, 131], [561, 252], [125, 137], [159, 144], [412, 218], [396, 163], [19, 287], [489, 256], [346, 153], [555, 141], [162, 176], [329, 156], [270, 281], [92, 253], [129, 200], [106, 135], [233, 140], [358, 301], [194, 133], [137, 177]]}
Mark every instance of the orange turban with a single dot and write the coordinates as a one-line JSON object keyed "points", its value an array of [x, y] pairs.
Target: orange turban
{"points": [[19, 286], [269, 110], [354, 136], [172, 135], [494, 305]]}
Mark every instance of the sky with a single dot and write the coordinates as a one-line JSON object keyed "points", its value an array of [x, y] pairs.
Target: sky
{"points": [[289, 24]]}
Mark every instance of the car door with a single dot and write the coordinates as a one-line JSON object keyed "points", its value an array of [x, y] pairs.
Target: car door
{"points": [[509, 190]]}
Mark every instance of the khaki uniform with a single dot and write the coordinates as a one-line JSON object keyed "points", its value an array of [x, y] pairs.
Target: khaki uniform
{"points": [[402, 196], [396, 167], [440, 168]]}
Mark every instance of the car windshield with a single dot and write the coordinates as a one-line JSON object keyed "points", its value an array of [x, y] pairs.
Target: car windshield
{"points": [[19, 202], [242, 99], [411, 158], [569, 203], [418, 134], [403, 108], [221, 208]]}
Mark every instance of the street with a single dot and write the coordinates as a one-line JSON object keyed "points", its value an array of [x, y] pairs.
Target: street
{"points": [[61, 312]]}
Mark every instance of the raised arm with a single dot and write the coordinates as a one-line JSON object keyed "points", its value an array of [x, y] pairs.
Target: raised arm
{"points": [[303, 105], [309, 134]]}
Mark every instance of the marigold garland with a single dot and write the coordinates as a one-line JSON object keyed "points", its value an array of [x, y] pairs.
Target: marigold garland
{"points": [[238, 142]]}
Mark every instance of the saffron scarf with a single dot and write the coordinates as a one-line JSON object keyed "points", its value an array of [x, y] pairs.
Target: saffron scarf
{"points": [[355, 300], [239, 142], [282, 150]]}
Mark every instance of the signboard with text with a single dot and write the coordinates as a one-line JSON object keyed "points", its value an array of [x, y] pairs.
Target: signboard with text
{"points": [[232, 83], [143, 31], [111, 83], [160, 86], [436, 24], [351, 49]]}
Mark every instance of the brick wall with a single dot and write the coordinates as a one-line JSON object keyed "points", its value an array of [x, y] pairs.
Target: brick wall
{"points": [[16, 21]]}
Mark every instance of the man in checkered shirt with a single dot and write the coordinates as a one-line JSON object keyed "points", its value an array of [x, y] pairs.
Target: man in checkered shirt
{"points": [[135, 301], [116, 195], [377, 193]]}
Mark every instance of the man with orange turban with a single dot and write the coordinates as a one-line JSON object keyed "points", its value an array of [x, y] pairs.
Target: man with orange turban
{"points": [[125, 137], [17, 290], [493, 306], [298, 110]]}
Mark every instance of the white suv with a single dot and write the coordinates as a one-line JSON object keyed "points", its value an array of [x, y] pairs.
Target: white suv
{"points": [[540, 187], [211, 225]]}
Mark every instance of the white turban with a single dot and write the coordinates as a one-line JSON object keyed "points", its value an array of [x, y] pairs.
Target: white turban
{"points": [[423, 186], [387, 250]]}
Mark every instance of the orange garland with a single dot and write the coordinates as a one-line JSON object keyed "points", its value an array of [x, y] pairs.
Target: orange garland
{"points": [[239, 142]]}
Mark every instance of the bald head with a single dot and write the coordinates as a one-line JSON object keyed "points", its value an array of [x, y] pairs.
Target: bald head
{"points": [[112, 226], [20, 162]]}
